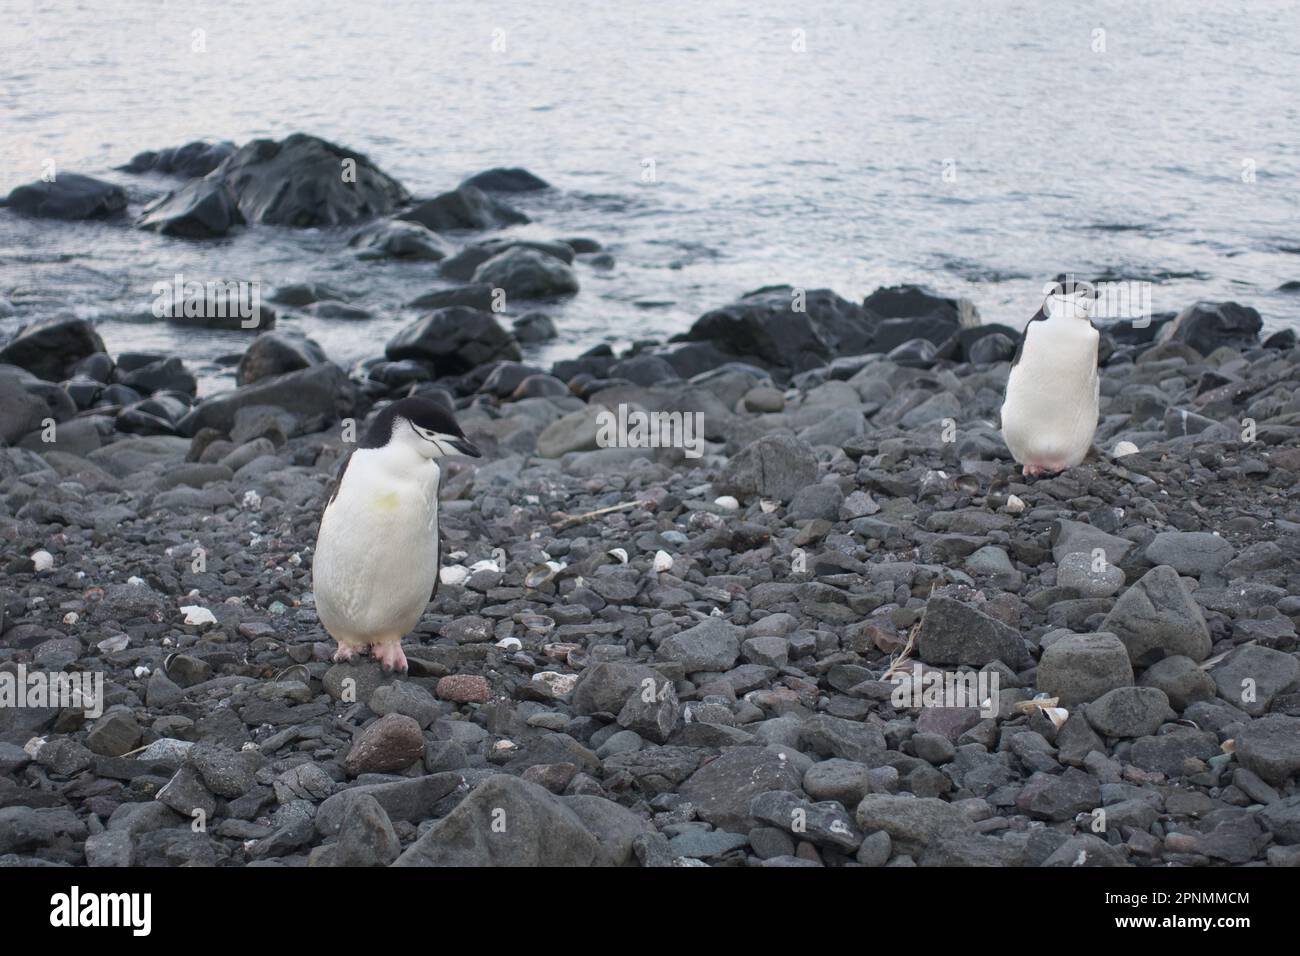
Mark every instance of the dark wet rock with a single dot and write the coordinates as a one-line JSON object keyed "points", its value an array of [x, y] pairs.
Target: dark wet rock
{"points": [[202, 209], [992, 348], [1081, 667], [463, 264], [914, 301], [20, 411], [169, 374], [506, 822], [68, 196], [398, 239], [191, 160], [956, 633], [768, 327], [1207, 326], [48, 347], [1157, 617], [29, 828], [525, 273], [465, 207], [534, 327], [274, 353], [511, 180], [315, 396], [454, 341]]}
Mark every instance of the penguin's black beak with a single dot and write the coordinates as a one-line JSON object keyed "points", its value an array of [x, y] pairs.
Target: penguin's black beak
{"points": [[466, 447]]}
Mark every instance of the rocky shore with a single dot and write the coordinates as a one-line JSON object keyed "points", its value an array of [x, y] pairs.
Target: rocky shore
{"points": [[638, 655]]}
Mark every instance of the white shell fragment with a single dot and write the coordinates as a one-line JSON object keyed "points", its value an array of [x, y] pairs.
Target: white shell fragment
{"points": [[618, 553], [118, 642], [727, 502], [1124, 448], [510, 644], [43, 560], [1015, 504], [767, 505], [196, 615], [663, 561]]}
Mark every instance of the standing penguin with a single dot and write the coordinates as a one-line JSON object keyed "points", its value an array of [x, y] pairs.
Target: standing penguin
{"points": [[376, 563], [1050, 412]]}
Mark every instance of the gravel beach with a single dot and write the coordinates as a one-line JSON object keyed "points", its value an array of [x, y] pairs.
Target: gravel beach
{"points": [[692, 654]]}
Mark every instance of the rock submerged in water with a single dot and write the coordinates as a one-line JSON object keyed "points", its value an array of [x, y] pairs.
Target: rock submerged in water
{"points": [[68, 196], [463, 208], [190, 161]]}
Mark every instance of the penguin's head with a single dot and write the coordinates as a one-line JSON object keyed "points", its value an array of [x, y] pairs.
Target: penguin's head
{"points": [[1067, 297], [421, 424]]}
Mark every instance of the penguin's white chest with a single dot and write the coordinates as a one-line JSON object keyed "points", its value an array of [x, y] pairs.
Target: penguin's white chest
{"points": [[377, 552], [1050, 412]]}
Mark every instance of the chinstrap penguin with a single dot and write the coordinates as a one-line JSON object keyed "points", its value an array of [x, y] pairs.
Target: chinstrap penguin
{"points": [[377, 556], [1050, 412]]}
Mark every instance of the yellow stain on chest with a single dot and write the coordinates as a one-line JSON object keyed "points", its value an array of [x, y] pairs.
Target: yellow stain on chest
{"points": [[386, 503]]}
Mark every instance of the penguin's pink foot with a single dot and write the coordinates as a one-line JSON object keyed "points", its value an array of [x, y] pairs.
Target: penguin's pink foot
{"points": [[345, 653], [390, 655], [1037, 471]]}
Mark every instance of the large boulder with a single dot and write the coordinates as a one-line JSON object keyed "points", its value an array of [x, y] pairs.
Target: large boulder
{"points": [[190, 161], [68, 196], [48, 347], [301, 181], [769, 328], [507, 821], [315, 396], [454, 341], [527, 274], [1207, 326], [465, 207]]}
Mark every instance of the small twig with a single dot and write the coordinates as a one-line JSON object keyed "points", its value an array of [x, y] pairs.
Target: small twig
{"points": [[568, 521]]}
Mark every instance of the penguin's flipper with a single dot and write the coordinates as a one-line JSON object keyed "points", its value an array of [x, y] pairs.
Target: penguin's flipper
{"points": [[437, 563], [338, 478]]}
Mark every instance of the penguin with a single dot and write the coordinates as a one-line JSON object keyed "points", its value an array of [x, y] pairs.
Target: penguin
{"points": [[377, 557], [1050, 412]]}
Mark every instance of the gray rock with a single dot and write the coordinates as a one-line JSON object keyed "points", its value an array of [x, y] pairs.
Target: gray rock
{"points": [[466, 207], [527, 274], [506, 822], [454, 340], [366, 835], [28, 828], [1251, 676], [711, 645], [1193, 553], [956, 633], [1270, 746], [604, 688], [1181, 679], [724, 787], [1081, 667], [68, 196], [1059, 797], [853, 740], [774, 466], [824, 824], [1085, 850], [1080, 571], [651, 713], [1157, 617], [1170, 752], [1076, 537], [1129, 712], [911, 822]]}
